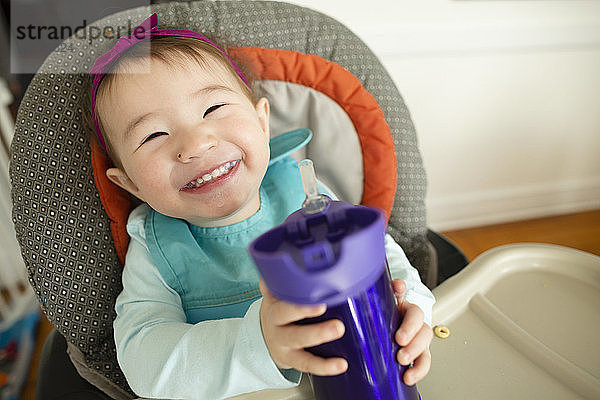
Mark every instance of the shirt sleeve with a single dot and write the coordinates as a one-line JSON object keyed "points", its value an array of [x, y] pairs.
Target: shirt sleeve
{"points": [[416, 292], [162, 356]]}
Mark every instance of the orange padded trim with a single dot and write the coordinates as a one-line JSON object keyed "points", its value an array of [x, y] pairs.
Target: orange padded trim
{"points": [[116, 201], [331, 79]]}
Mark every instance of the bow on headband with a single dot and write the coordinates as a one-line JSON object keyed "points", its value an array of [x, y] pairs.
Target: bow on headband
{"points": [[144, 31]]}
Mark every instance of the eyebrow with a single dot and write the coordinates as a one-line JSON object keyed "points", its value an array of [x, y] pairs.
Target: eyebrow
{"points": [[210, 89], [135, 122], [200, 92]]}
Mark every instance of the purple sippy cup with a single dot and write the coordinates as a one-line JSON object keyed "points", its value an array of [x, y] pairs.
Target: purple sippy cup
{"points": [[333, 252]]}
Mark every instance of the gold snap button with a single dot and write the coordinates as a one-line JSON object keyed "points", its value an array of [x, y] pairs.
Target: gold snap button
{"points": [[441, 331]]}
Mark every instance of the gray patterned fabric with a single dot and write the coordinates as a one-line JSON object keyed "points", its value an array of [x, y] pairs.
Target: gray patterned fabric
{"points": [[61, 226]]}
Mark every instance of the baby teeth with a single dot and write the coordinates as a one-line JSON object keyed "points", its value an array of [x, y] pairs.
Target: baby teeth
{"points": [[223, 169]]}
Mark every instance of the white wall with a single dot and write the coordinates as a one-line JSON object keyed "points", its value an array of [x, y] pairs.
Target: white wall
{"points": [[505, 96]]}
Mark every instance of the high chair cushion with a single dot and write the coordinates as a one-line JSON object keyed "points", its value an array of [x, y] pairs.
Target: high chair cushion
{"points": [[317, 74]]}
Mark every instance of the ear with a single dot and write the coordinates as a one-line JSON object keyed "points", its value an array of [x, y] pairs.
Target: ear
{"points": [[263, 110], [120, 178]]}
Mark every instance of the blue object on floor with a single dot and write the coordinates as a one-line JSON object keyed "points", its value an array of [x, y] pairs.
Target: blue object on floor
{"points": [[16, 348]]}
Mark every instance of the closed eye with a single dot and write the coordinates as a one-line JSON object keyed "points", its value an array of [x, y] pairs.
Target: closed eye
{"points": [[153, 136], [211, 109]]}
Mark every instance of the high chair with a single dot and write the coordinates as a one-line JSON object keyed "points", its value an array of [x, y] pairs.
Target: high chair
{"points": [[70, 220]]}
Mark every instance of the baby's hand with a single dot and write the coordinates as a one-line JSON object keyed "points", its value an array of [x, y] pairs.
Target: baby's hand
{"points": [[413, 336], [286, 341]]}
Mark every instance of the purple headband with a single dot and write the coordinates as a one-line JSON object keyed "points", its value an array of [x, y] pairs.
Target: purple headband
{"points": [[143, 31]]}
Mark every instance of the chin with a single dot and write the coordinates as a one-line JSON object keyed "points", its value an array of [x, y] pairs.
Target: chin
{"points": [[230, 213], [220, 217]]}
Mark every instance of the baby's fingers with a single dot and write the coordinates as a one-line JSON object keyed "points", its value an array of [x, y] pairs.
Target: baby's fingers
{"points": [[419, 369], [417, 346], [306, 362], [399, 288], [411, 323], [284, 313], [302, 336], [281, 313]]}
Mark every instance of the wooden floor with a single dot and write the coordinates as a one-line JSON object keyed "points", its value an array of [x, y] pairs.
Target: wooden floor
{"points": [[580, 231]]}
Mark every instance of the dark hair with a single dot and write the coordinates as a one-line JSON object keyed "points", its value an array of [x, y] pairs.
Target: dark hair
{"points": [[172, 51]]}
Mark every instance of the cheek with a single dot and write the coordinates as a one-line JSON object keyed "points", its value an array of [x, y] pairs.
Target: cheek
{"points": [[257, 150], [254, 137], [149, 175], [265, 150]]}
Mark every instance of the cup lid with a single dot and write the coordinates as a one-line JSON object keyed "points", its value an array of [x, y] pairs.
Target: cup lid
{"points": [[324, 257]]}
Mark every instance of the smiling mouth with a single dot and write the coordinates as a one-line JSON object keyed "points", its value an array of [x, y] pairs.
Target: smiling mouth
{"points": [[211, 176]]}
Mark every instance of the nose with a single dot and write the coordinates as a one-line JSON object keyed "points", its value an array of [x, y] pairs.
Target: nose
{"points": [[194, 145]]}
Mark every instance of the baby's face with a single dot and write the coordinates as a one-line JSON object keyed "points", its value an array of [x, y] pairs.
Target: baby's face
{"points": [[192, 145]]}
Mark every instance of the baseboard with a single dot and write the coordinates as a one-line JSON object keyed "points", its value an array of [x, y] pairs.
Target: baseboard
{"points": [[512, 204]]}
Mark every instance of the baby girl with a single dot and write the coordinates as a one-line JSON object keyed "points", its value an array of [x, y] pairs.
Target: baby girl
{"points": [[187, 137]]}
